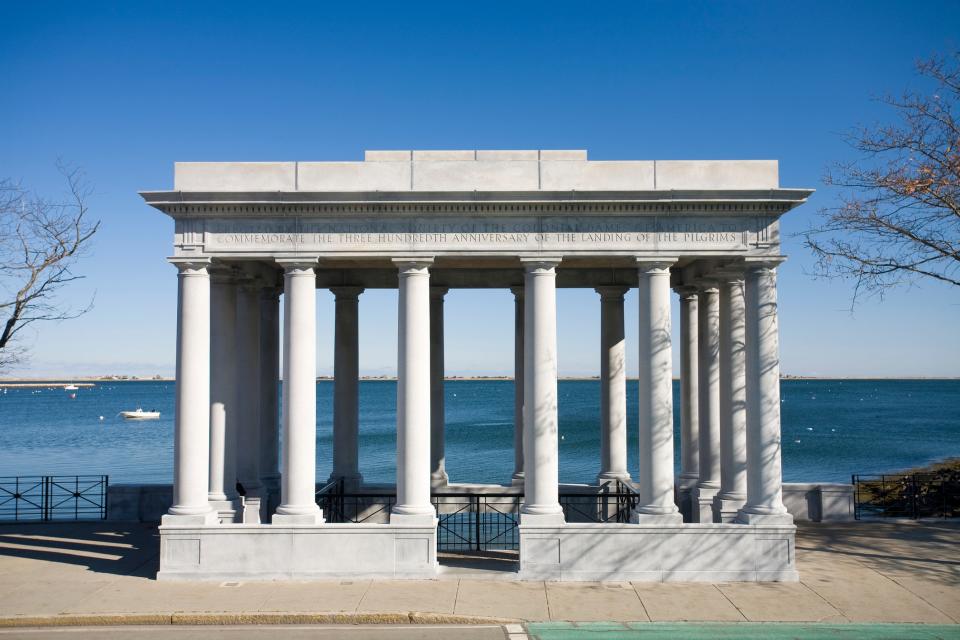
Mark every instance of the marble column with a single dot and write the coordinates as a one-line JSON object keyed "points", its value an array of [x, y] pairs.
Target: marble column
{"points": [[613, 386], [655, 476], [733, 400], [346, 387], [298, 480], [518, 305], [248, 396], [438, 465], [541, 503], [191, 414], [413, 395], [764, 473], [708, 369], [269, 395], [689, 400], [222, 492]]}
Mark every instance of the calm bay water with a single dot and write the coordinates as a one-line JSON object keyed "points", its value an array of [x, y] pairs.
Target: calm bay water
{"points": [[831, 428]]}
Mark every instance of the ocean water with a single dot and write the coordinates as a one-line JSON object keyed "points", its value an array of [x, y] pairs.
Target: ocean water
{"points": [[831, 429]]}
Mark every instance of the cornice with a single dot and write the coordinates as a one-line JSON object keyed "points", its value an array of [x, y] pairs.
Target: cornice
{"points": [[234, 204]]}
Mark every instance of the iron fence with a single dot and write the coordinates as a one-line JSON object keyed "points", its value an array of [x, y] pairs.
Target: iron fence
{"points": [[48, 498], [477, 521], [907, 495]]}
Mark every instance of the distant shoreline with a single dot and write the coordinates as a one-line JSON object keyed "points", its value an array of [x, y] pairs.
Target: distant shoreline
{"points": [[87, 381]]}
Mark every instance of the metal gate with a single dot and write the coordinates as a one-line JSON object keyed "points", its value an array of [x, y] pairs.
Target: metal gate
{"points": [[907, 495], [471, 521], [47, 498]]}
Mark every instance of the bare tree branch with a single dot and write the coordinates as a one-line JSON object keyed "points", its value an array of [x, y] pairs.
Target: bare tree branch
{"points": [[40, 243], [898, 220]]}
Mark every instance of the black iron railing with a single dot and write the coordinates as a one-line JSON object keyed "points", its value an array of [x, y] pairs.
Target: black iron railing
{"points": [[47, 498], [907, 495], [478, 520]]}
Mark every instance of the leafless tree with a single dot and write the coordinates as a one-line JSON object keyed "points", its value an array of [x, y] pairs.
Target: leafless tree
{"points": [[40, 243], [898, 217]]}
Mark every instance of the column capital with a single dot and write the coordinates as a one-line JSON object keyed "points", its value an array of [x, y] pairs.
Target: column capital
{"points": [[655, 266], [763, 263], [687, 291], [345, 292], [298, 265], [540, 264], [612, 291], [191, 266], [707, 284], [437, 293], [411, 265], [222, 273], [517, 292]]}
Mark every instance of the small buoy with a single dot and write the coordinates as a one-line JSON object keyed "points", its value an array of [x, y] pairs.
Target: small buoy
{"points": [[101, 417], [561, 437], [834, 430], [809, 428], [797, 441]]}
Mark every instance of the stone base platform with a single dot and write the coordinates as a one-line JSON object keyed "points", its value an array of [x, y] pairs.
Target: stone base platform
{"points": [[658, 553], [246, 552]]}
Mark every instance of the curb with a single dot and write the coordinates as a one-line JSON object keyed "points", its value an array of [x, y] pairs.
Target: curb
{"points": [[112, 620]]}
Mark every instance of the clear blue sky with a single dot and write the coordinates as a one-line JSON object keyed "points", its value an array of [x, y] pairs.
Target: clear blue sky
{"points": [[126, 89]]}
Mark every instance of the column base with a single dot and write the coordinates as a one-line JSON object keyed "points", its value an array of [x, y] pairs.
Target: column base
{"points": [[189, 519], [725, 509], [305, 517], [517, 479], [610, 476], [701, 503], [688, 481], [745, 517], [254, 510], [226, 510]]}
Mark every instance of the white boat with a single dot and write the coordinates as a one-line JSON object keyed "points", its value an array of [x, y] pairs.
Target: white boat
{"points": [[140, 414], [71, 387]]}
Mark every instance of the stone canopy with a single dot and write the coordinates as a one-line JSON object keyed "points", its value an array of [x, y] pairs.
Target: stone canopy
{"points": [[477, 208]]}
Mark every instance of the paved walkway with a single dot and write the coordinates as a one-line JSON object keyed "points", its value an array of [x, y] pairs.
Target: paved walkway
{"points": [[857, 572]]}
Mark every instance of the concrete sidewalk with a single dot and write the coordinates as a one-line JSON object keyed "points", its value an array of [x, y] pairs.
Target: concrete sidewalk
{"points": [[103, 572]]}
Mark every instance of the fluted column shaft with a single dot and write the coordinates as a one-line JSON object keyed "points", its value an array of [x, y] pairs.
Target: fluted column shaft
{"points": [[518, 305], [541, 471], [733, 401], [655, 475], [764, 472], [191, 447], [689, 389], [708, 369], [438, 458], [223, 396], [346, 386], [269, 391], [298, 480], [613, 386], [413, 395], [248, 380]]}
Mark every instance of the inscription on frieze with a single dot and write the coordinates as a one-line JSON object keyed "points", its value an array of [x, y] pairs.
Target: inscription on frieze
{"points": [[501, 234]]}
